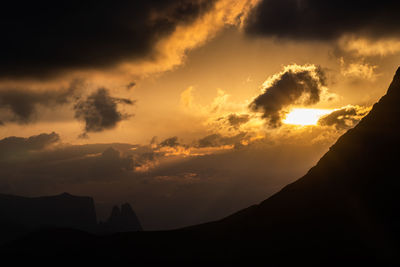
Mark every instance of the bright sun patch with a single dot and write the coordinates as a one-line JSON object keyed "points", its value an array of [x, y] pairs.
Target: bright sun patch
{"points": [[305, 116]]}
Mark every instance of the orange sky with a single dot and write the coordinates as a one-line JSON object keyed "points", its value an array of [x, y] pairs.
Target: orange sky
{"points": [[229, 62], [192, 113]]}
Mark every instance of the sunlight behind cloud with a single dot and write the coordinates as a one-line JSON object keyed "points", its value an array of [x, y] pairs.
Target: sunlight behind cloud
{"points": [[305, 116]]}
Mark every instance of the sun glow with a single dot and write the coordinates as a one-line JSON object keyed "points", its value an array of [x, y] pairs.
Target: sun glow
{"points": [[305, 116]]}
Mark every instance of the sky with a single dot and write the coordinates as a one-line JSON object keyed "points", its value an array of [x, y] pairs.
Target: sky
{"points": [[189, 110]]}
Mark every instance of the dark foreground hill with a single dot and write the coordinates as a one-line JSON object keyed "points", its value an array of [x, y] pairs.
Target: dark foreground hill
{"points": [[344, 212]]}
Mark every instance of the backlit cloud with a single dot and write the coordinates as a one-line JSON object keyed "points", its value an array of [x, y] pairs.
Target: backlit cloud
{"points": [[359, 70], [369, 47], [294, 85], [345, 117]]}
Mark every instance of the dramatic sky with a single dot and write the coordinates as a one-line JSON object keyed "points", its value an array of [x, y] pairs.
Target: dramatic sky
{"points": [[188, 109]]}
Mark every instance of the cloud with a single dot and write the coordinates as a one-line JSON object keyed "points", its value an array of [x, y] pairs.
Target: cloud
{"points": [[294, 85], [110, 163], [20, 105], [100, 111], [41, 39], [359, 70], [344, 118], [12, 147], [130, 85], [170, 142], [368, 47], [324, 20], [236, 120], [218, 140]]}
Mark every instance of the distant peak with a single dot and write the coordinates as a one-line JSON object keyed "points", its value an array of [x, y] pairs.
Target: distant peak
{"points": [[124, 219], [126, 209], [65, 194], [115, 211]]}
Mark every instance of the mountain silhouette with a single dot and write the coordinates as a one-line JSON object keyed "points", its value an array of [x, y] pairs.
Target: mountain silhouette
{"points": [[344, 211], [63, 210], [21, 215], [122, 220]]}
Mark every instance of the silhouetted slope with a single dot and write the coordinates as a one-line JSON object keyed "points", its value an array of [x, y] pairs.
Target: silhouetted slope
{"points": [[357, 178], [344, 211], [347, 205]]}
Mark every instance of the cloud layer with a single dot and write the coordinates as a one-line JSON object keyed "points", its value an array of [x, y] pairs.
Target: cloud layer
{"points": [[12, 147], [178, 190]]}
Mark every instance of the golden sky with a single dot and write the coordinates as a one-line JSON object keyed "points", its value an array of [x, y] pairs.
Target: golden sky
{"points": [[207, 96]]}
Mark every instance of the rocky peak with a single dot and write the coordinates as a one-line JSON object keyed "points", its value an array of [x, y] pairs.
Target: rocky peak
{"points": [[123, 220]]}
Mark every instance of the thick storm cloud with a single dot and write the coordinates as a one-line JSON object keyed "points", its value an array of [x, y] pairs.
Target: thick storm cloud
{"points": [[100, 111], [42, 38], [324, 20], [295, 85]]}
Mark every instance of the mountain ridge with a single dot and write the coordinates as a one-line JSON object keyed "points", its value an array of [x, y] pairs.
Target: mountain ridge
{"points": [[21, 215]]}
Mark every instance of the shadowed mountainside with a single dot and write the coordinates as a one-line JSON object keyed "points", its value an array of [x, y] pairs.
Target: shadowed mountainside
{"points": [[344, 211]]}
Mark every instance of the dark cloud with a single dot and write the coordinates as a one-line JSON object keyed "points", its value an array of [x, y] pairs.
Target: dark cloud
{"points": [[21, 105], [344, 118], [110, 163], [236, 120], [324, 20], [296, 85], [43, 38], [12, 147], [171, 142], [217, 140], [100, 111], [130, 85], [66, 153], [83, 135]]}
